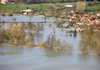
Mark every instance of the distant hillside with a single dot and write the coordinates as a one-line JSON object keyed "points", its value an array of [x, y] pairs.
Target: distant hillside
{"points": [[46, 1]]}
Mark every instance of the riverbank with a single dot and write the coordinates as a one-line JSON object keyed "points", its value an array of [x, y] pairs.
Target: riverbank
{"points": [[18, 7], [9, 44]]}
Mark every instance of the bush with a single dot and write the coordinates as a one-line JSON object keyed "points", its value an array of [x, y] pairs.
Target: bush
{"points": [[39, 13], [77, 13], [10, 14], [41, 45], [57, 24], [27, 8], [31, 44], [75, 31], [67, 27], [89, 4], [2, 14]]}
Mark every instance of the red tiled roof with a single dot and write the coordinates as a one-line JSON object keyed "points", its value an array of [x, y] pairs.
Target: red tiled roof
{"points": [[90, 19], [94, 21], [91, 22], [75, 15], [86, 15], [73, 19]]}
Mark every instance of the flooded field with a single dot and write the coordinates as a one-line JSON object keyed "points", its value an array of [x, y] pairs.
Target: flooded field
{"points": [[38, 59], [35, 59]]}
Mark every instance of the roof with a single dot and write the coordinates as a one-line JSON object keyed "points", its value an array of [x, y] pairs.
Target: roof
{"points": [[92, 16], [86, 15], [27, 10], [73, 19], [7, 0], [94, 21], [75, 16], [68, 5], [91, 22], [75, 23]]}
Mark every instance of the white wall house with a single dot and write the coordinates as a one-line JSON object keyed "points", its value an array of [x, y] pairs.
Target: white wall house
{"points": [[27, 10], [68, 6], [7, 2], [98, 14], [79, 23]]}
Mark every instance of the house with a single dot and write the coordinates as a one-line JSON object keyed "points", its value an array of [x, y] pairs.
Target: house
{"points": [[86, 16], [90, 13], [68, 6], [79, 23], [36, 14], [98, 14], [75, 16], [48, 15], [96, 21], [97, 27], [8, 2], [72, 19], [27, 10], [79, 29], [69, 15]]}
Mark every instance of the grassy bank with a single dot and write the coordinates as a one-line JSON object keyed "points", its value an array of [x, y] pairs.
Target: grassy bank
{"points": [[64, 3], [18, 7], [93, 8], [11, 44]]}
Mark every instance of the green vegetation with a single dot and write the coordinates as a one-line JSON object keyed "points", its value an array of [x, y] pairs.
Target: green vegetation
{"points": [[49, 55], [18, 7], [65, 27], [16, 34], [93, 8], [67, 20], [64, 3], [55, 45], [9, 52]]}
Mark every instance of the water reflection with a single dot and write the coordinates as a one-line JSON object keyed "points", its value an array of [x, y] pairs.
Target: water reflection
{"points": [[31, 59]]}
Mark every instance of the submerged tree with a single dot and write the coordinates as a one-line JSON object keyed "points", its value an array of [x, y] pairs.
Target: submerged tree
{"points": [[39, 27], [29, 41], [3, 35], [56, 45], [16, 34], [90, 41]]}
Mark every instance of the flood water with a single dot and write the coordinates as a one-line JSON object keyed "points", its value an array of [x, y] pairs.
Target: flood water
{"points": [[34, 59]]}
